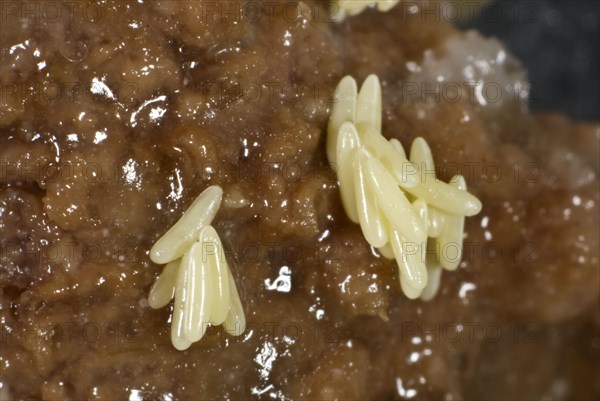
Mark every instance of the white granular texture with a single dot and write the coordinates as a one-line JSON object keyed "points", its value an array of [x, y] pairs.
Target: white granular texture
{"points": [[470, 66]]}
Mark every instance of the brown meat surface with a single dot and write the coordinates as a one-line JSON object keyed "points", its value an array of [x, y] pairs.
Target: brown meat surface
{"points": [[114, 119]]}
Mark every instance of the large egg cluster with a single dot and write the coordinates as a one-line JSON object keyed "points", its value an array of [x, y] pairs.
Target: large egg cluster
{"points": [[404, 211]]}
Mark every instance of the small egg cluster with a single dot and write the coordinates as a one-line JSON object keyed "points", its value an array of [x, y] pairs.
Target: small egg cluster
{"points": [[196, 275], [345, 8]]}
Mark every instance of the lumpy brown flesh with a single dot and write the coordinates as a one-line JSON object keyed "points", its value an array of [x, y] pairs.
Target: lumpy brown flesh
{"points": [[116, 115]]}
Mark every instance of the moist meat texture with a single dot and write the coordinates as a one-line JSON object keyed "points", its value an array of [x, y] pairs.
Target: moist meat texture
{"points": [[116, 115]]}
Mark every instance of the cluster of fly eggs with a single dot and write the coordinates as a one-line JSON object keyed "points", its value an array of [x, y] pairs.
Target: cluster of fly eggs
{"points": [[196, 276], [404, 211]]}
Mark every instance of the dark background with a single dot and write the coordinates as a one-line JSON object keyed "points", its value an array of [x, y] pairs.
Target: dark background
{"points": [[558, 42]]}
